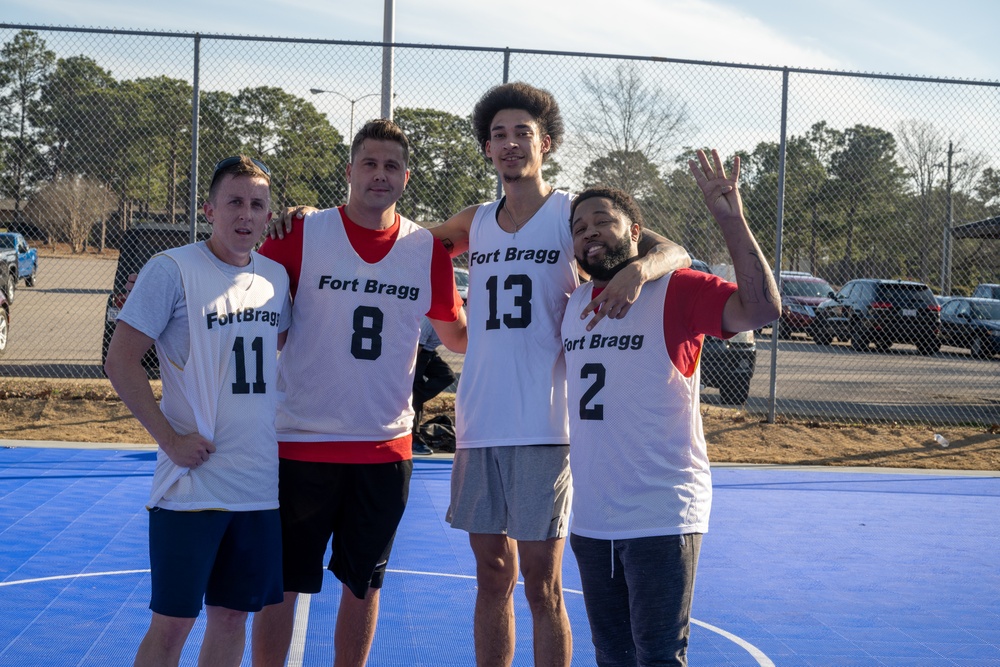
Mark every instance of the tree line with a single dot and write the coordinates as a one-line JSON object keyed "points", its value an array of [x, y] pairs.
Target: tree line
{"points": [[79, 147]]}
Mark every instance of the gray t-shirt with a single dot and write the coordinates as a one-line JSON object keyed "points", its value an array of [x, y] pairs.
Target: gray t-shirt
{"points": [[428, 336], [157, 307]]}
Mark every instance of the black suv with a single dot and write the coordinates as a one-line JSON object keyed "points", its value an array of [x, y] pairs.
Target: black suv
{"points": [[136, 246], [883, 312], [728, 365]]}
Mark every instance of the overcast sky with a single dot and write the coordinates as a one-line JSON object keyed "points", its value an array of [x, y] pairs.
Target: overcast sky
{"points": [[955, 39]]}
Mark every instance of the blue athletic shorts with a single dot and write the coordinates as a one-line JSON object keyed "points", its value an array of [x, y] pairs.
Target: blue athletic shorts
{"points": [[227, 559]]}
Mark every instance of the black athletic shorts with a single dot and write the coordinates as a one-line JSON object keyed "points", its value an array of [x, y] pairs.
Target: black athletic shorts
{"points": [[358, 504]]}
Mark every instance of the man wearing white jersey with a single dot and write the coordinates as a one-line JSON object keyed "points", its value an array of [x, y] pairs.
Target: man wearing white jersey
{"points": [[643, 485], [511, 484], [217, 313], [362, 279]]}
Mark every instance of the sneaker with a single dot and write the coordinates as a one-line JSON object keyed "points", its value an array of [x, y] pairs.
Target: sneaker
{"points": [[421, 449]]}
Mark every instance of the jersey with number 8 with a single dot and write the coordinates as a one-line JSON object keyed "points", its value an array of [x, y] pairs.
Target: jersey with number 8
{"points": [[369, 316]]}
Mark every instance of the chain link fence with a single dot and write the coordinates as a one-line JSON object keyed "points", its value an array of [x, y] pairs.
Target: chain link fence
{"points": [[845, 176]]}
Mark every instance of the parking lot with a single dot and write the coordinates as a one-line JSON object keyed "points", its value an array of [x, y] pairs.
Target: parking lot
{"points": [[56, 331]]}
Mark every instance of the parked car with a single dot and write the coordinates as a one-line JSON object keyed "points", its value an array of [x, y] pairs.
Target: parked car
{"points": [[8, 278], [728, 365], [462, 283], [800, 294], [138, 244], [973, 324], [4, 323], [22, 260], [883, 312], [987, 291]]}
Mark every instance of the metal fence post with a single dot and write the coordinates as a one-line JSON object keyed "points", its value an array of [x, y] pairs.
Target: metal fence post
{"points": [[388, 56], [193, 203], [782, 147], [506, 79]]}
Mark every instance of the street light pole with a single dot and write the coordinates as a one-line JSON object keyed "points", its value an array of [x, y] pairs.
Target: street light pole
{"points": [[319, 91], [350, 137]]}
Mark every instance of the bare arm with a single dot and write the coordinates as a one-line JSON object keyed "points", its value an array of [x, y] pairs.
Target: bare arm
{"points": [[756, 301], [657, 257], [453, 335], [454, 232], [128, 377]]}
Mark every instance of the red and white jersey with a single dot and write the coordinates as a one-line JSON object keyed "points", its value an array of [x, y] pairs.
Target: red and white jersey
{"points": [[512, 389], [227, 389], [637, 448], [347, 366]]}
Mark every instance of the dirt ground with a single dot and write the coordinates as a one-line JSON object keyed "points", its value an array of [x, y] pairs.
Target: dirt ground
{"points": [[90, 411]]}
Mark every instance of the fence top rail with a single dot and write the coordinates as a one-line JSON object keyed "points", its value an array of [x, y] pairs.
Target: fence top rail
{"points": [[493, 49]]}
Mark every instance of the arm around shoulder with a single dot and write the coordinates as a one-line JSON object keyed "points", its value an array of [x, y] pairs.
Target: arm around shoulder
{"points": [[454, 232], [658, 256]]}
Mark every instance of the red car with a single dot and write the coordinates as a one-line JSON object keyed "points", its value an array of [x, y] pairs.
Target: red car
{"points": [[800, 294]]}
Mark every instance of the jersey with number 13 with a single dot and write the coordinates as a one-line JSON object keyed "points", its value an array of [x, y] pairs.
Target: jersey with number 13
{"points": [[513, 384]]}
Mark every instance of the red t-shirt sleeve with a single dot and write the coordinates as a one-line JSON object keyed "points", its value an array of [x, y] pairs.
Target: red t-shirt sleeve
{"points": [[692, 309], [288, 253], [445, 299]]}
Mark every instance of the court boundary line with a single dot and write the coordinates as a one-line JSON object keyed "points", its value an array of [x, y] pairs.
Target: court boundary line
{"points": [[296, 653]]}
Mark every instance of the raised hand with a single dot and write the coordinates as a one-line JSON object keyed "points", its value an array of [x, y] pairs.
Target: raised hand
{"points": [[721, 192]]}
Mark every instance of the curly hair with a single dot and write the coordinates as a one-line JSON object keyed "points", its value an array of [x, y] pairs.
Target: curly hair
{"points": [[620, 200], [518, 95]]}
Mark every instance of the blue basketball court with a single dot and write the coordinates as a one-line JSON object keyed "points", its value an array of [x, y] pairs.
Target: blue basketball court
{"points": [[802, 567]]}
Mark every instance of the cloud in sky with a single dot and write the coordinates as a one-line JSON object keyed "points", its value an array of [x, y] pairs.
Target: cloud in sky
{"points": [[885, 36]]}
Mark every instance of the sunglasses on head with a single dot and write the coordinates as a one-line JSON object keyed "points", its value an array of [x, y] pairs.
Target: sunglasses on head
{"points": [[235, 159]]}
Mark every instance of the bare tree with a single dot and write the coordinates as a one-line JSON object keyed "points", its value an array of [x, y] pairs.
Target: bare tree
{"points": [[922, 150], [68, 208], [622, 114]]}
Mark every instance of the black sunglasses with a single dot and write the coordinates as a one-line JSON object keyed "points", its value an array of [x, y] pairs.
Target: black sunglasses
{"points": [[230, 161]]}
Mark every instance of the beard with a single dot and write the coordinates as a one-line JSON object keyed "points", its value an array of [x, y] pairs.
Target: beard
{"points": [[615, 259]]}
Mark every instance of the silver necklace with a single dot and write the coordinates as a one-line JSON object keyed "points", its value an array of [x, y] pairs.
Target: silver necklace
{"points": [[510, 217], [512, 221]]}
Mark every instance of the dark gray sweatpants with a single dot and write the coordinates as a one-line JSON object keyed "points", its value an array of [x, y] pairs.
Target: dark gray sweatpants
{"points": [[638, 596]]}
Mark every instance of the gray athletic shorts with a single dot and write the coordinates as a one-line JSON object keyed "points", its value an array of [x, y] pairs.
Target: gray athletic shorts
{"points": [[524, 491]]}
